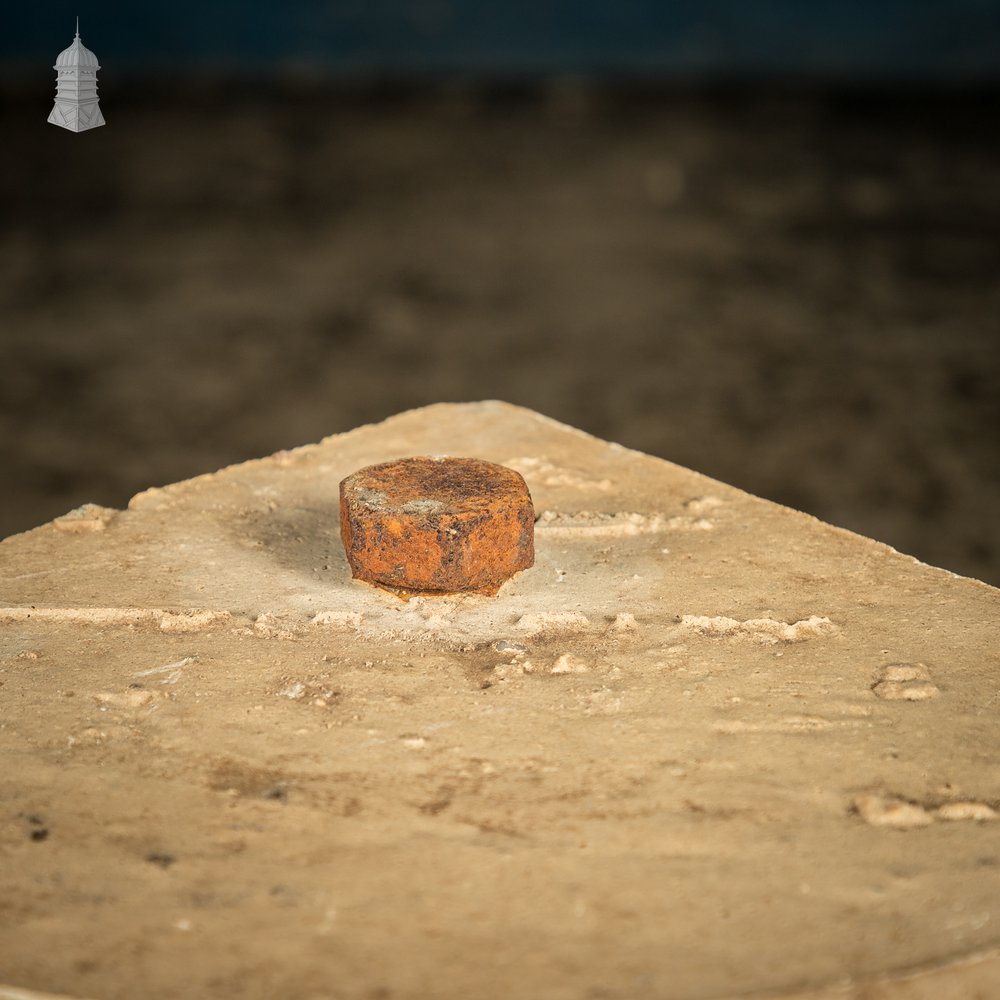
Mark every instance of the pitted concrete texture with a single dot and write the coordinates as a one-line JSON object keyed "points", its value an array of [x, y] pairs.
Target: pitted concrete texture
{"points": [[705, 747]]}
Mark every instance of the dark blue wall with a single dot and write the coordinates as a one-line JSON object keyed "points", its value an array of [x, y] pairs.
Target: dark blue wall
{"points": [[903, 40]]}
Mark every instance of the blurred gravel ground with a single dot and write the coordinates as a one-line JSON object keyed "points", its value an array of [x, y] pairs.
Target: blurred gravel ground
{"points": [[796, 293]]}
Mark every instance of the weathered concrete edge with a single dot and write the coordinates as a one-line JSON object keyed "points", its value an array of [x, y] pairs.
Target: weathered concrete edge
{"points": [[957, 979], [523, 411]]}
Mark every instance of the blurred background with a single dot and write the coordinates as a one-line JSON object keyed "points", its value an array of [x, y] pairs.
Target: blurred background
{"points": [[760, 240]]}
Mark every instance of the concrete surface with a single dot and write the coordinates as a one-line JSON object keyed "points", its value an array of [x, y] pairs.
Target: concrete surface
{"points": [[706, 746]]}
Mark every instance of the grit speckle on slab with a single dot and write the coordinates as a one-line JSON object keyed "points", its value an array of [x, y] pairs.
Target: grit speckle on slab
{"points": [[705, 747]]}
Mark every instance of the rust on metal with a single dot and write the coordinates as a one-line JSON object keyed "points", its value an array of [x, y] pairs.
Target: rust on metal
{"points": [[437, 525]]}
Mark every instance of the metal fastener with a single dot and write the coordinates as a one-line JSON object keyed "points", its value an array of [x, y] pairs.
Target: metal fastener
{"points": [[437, 525]]}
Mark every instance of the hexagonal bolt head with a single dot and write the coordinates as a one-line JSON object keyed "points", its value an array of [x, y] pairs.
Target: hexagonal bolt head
{"points": [[437, 525]]}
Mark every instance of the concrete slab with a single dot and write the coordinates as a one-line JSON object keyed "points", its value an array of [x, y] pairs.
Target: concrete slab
{"points": [[706, 746]]}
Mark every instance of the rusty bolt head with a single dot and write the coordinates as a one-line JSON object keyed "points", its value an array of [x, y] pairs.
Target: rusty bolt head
{"points": [[437, 525]]}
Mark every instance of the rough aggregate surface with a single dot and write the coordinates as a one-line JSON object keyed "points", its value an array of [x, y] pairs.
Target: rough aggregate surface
{"points": [[666, 762]]}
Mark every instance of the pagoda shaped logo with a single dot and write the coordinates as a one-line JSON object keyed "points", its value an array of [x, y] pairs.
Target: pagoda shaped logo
{"points": [[76, 106]]}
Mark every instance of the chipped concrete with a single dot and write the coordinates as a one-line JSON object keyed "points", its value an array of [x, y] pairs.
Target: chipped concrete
{"points": [[691, 747]]}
